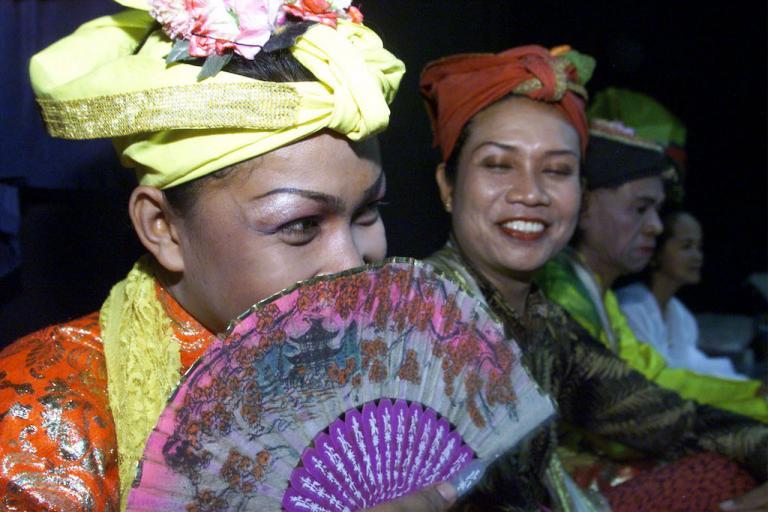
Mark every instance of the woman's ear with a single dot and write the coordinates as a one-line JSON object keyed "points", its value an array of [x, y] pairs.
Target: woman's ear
{"points": [[445, 186], [156, 226]]}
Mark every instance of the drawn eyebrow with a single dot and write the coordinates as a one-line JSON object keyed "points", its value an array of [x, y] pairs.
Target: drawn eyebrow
{"points": [[515, 149]]}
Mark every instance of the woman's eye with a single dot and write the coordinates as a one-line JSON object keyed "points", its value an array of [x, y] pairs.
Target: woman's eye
{"points": [[497, 166], [559, 171], [369, 214], [300, 231]]}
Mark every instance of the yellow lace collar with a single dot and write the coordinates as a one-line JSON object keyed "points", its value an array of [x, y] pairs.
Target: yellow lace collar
{"points": [[145, 334]]}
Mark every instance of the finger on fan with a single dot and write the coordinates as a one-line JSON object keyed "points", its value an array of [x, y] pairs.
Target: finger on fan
{"points": [[436, 498]]}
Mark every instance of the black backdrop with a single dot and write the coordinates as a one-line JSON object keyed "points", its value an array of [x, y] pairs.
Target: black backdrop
{"points": [[705, 61]]}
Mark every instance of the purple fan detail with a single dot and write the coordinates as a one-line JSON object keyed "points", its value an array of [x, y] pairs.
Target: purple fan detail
{"points": [[386, 451]]}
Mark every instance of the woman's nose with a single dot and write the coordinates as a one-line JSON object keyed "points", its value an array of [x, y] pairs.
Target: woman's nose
{"points": [[342, 255], [526, 189]]}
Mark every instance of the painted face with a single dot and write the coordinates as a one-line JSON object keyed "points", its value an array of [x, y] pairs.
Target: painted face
{"points": [[303, 210], [516, 195], [680, 258], [620, 226]]}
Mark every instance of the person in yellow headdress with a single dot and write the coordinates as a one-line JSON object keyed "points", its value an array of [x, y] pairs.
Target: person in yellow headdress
{"points": [[249, 125]]}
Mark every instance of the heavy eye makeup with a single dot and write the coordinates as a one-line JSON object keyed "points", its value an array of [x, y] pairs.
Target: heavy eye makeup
{"points": [[294, 219], [297, 218]]}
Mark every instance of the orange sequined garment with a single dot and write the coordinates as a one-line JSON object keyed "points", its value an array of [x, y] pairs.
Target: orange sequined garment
{"points": [[57, 437]]}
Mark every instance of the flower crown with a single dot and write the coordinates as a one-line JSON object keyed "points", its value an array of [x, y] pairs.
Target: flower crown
{"points": [[217, 29]]}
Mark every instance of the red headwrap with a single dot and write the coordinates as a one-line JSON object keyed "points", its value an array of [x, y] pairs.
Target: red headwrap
{"points": [[458, 87]]}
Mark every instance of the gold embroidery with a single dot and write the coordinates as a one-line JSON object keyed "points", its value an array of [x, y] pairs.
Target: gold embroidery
{"points": [[253, 105], [561, 77], [527, 87]]}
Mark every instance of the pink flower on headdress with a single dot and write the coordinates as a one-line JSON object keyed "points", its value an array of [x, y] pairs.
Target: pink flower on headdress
{"points": [[216, 26]]}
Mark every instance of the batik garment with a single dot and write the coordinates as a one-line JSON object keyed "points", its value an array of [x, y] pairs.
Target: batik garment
{"points": [[597, 393], [57, 438], [673, 332], [566, 281]]}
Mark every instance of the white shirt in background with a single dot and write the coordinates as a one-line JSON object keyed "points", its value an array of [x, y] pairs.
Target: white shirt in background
{"points": [[674, 333]]}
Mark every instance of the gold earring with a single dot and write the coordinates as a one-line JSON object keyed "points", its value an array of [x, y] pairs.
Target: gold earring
{"points": [[448, 205]]}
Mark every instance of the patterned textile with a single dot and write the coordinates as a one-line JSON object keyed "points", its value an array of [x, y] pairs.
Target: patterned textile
{"points": [[57, 438], [597, 393], [697, 483]]}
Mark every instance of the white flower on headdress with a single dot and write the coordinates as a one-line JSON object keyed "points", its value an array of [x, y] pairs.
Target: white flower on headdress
{"points": [[613, 126], [340, 5], [173, 15]]}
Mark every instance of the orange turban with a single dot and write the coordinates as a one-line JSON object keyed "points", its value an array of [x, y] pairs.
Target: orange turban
{"points": [[459, 86]]}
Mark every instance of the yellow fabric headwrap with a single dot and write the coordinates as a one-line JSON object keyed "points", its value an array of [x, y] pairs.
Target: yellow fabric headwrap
{"points": [[109, 79]]}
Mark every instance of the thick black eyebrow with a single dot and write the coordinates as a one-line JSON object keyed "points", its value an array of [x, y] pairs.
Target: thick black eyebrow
{"points": [[508, 147], [333, 202]]}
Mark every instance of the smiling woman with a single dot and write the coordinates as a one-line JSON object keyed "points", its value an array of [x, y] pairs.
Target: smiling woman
{"points": [[516, 199], [512, 132]]}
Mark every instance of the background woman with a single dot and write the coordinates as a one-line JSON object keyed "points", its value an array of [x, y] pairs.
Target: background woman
{"points": [[512, 132], [653, 312]]}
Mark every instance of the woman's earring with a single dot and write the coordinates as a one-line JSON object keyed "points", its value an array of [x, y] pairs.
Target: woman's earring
{"points": [[448, 205]]}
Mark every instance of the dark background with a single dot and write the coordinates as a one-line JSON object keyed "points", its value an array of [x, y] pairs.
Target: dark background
{"points": [[706, 62]]}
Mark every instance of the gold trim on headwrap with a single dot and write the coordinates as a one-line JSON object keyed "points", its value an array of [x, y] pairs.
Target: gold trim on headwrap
{"points": [[174, 128], [258, 105]]}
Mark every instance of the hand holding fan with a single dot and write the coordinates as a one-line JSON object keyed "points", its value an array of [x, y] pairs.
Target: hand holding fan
{"points": [[342, 393]]}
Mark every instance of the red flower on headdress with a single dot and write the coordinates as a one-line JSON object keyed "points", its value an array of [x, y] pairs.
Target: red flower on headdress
{"points": [[323, 11]]}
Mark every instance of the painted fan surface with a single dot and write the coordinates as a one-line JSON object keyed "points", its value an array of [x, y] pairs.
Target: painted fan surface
{"points": [[340, 394]]}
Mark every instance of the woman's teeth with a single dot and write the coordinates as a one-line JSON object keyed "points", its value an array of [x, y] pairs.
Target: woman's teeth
{"points": [[524, 226]]}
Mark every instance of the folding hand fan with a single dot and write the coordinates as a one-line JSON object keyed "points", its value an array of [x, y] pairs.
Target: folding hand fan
{"points": [[339, 394]]}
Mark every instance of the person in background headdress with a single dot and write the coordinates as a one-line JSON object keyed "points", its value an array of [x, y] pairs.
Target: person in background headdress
{"points": [[652, 121], [251, 129], [649, 119], [625, 177], [512, 133]]}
